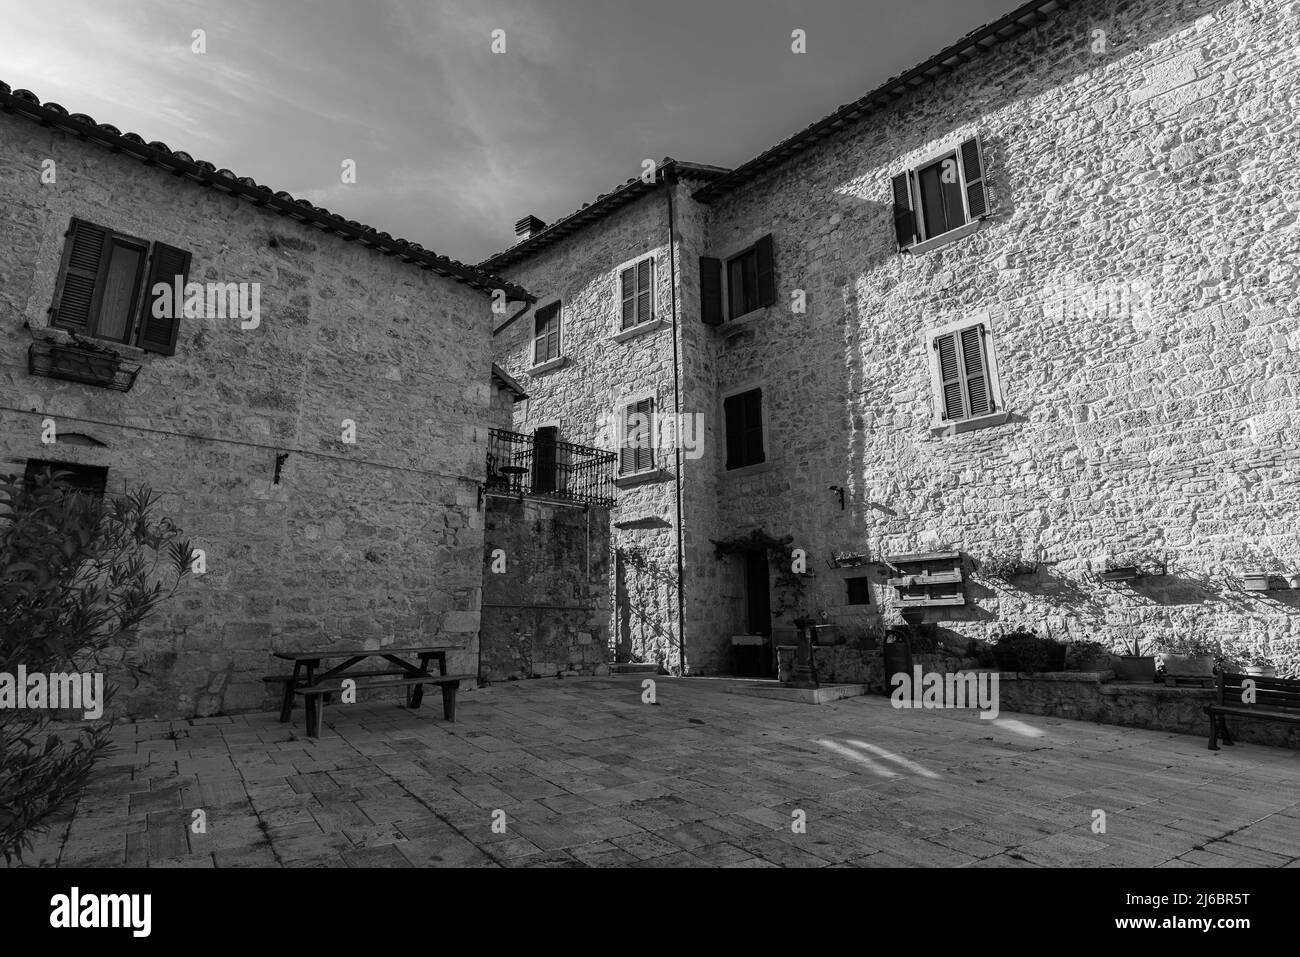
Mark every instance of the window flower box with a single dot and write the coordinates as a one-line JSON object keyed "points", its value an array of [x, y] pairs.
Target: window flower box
{"points": [[75, 362]]}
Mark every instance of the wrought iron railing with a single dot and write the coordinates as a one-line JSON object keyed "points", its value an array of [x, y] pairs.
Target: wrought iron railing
{"points": [[530, 465]]}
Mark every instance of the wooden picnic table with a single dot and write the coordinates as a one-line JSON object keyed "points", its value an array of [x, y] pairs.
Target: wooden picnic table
{"points": [[317, 685]]}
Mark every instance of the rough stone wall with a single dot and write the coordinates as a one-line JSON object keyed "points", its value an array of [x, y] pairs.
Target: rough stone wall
{"points": [[1155, 408], [376, 542], [546, 610], [582, 395]]}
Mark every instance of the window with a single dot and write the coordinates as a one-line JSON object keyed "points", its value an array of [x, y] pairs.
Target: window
{"points": [[964, 373], [636, 284], [744, 415], [859, 590], [942, 194], [637, 452], [89, 479], [750, 283], [546, 334], [103, 288]]}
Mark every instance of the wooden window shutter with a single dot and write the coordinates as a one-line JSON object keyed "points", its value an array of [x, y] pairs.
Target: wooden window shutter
{"points": [[156, 334], [546, 340], [80, 277], [645, 453], [711, 290], [972, 171], [644, 296], [763, 254], [629, 296], [904, 214], [950, 377], [637, 451], [975, 371]]}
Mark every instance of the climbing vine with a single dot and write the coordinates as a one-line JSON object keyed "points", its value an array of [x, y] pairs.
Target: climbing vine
{"points": [[789, 586]]}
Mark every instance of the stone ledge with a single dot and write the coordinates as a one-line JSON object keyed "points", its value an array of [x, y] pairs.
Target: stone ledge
{"points": [[822, 695], [1093, 676]]}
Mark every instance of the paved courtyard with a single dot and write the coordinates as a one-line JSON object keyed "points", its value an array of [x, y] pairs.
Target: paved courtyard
{"points": [[588, 775]]}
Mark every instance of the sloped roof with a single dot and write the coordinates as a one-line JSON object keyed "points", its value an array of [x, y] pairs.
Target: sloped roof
{"points": [[601, 206], [974, 44], [26, 104]]}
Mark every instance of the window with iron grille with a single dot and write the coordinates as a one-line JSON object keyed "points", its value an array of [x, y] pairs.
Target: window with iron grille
{"points": [[636, 284], [546, 334], [86, 479], [941, 195]]}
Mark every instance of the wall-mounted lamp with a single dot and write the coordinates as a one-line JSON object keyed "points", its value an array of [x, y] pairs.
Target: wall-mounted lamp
{"points": [[840, 490]]}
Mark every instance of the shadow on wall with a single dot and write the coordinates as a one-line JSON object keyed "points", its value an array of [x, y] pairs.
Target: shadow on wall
{"points": [[646, 609]]}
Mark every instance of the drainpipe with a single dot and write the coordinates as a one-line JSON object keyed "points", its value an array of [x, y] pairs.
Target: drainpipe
{"points": [[671, 180], [510, 321]]}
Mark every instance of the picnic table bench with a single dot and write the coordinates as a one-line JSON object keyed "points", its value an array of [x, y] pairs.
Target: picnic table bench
{"points": [[317, 686], [1275, 699]]}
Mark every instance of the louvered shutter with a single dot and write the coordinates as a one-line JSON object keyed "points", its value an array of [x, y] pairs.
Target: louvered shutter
{"points": [[157, 334], [972, 169], [904, 215], [644, 299], [733, 410], [950, 376], [80, 278], [711, 291], [629, 296], [763, 255], [645, 453], [979, 398], [637, 453]]}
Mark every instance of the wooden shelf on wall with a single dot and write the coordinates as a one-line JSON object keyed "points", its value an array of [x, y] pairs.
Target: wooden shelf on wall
{"points": [[928, 580]]}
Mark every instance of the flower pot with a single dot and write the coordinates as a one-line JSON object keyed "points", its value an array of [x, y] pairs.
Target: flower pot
{"points": [[1136, 668], [1096, 663], [1256, 581], [1123, 574], [1187, 666], [1260, 671]]}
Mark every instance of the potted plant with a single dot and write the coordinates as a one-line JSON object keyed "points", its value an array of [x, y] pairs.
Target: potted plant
{"points": [[1260, 571], [1260, 666], [1088, 655], [1130, 565], [1005, 564], [1132, 664], [1188, 656]]}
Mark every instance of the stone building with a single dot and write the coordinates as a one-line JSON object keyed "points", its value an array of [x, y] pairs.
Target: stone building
{"points": [[325, 447], [1032, 300]]}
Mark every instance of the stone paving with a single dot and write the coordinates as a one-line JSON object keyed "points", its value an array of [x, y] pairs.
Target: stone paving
{"points": [[588, 775]]}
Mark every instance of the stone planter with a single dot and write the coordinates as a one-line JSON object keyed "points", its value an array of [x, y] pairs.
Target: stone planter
{"points": [[1125, 573], [1188, 666], [1099, 663], [1136, 668], [1260, 671]]}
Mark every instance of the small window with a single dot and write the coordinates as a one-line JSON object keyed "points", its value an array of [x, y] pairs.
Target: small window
{"points": [[87, 479], [636, 285], [859, 590], [637, 452], [964, 376], [103, 288], [941, 195], [744, 415], [546, 334]]}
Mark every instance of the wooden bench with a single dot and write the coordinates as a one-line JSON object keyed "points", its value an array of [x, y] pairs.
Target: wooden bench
{"points": [[1275, 699], [314, 697]]}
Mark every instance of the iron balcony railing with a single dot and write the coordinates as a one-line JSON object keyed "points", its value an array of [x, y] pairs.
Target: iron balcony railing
{"points": [[529, 465]]}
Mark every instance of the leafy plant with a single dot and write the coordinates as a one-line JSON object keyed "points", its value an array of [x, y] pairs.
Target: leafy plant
{"points": [[1005, 563], [1262, 561], [1023, 650], [78, 576], [1086, 650], [1144, 560]]}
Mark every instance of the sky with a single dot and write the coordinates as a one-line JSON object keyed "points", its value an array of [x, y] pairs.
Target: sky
{"points": [[452, 143]]}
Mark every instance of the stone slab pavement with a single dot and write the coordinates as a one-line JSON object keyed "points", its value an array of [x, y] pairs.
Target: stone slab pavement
{"points": [[580, 772]]}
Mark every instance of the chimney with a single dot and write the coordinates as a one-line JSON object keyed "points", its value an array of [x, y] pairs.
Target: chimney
{"points": [[528, 227]]}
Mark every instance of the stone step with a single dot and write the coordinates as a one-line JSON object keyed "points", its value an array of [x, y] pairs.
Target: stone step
{"points": [[630, 668]]}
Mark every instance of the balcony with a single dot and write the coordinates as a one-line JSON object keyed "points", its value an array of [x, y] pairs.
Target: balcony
{"points": [[536, 467]]}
